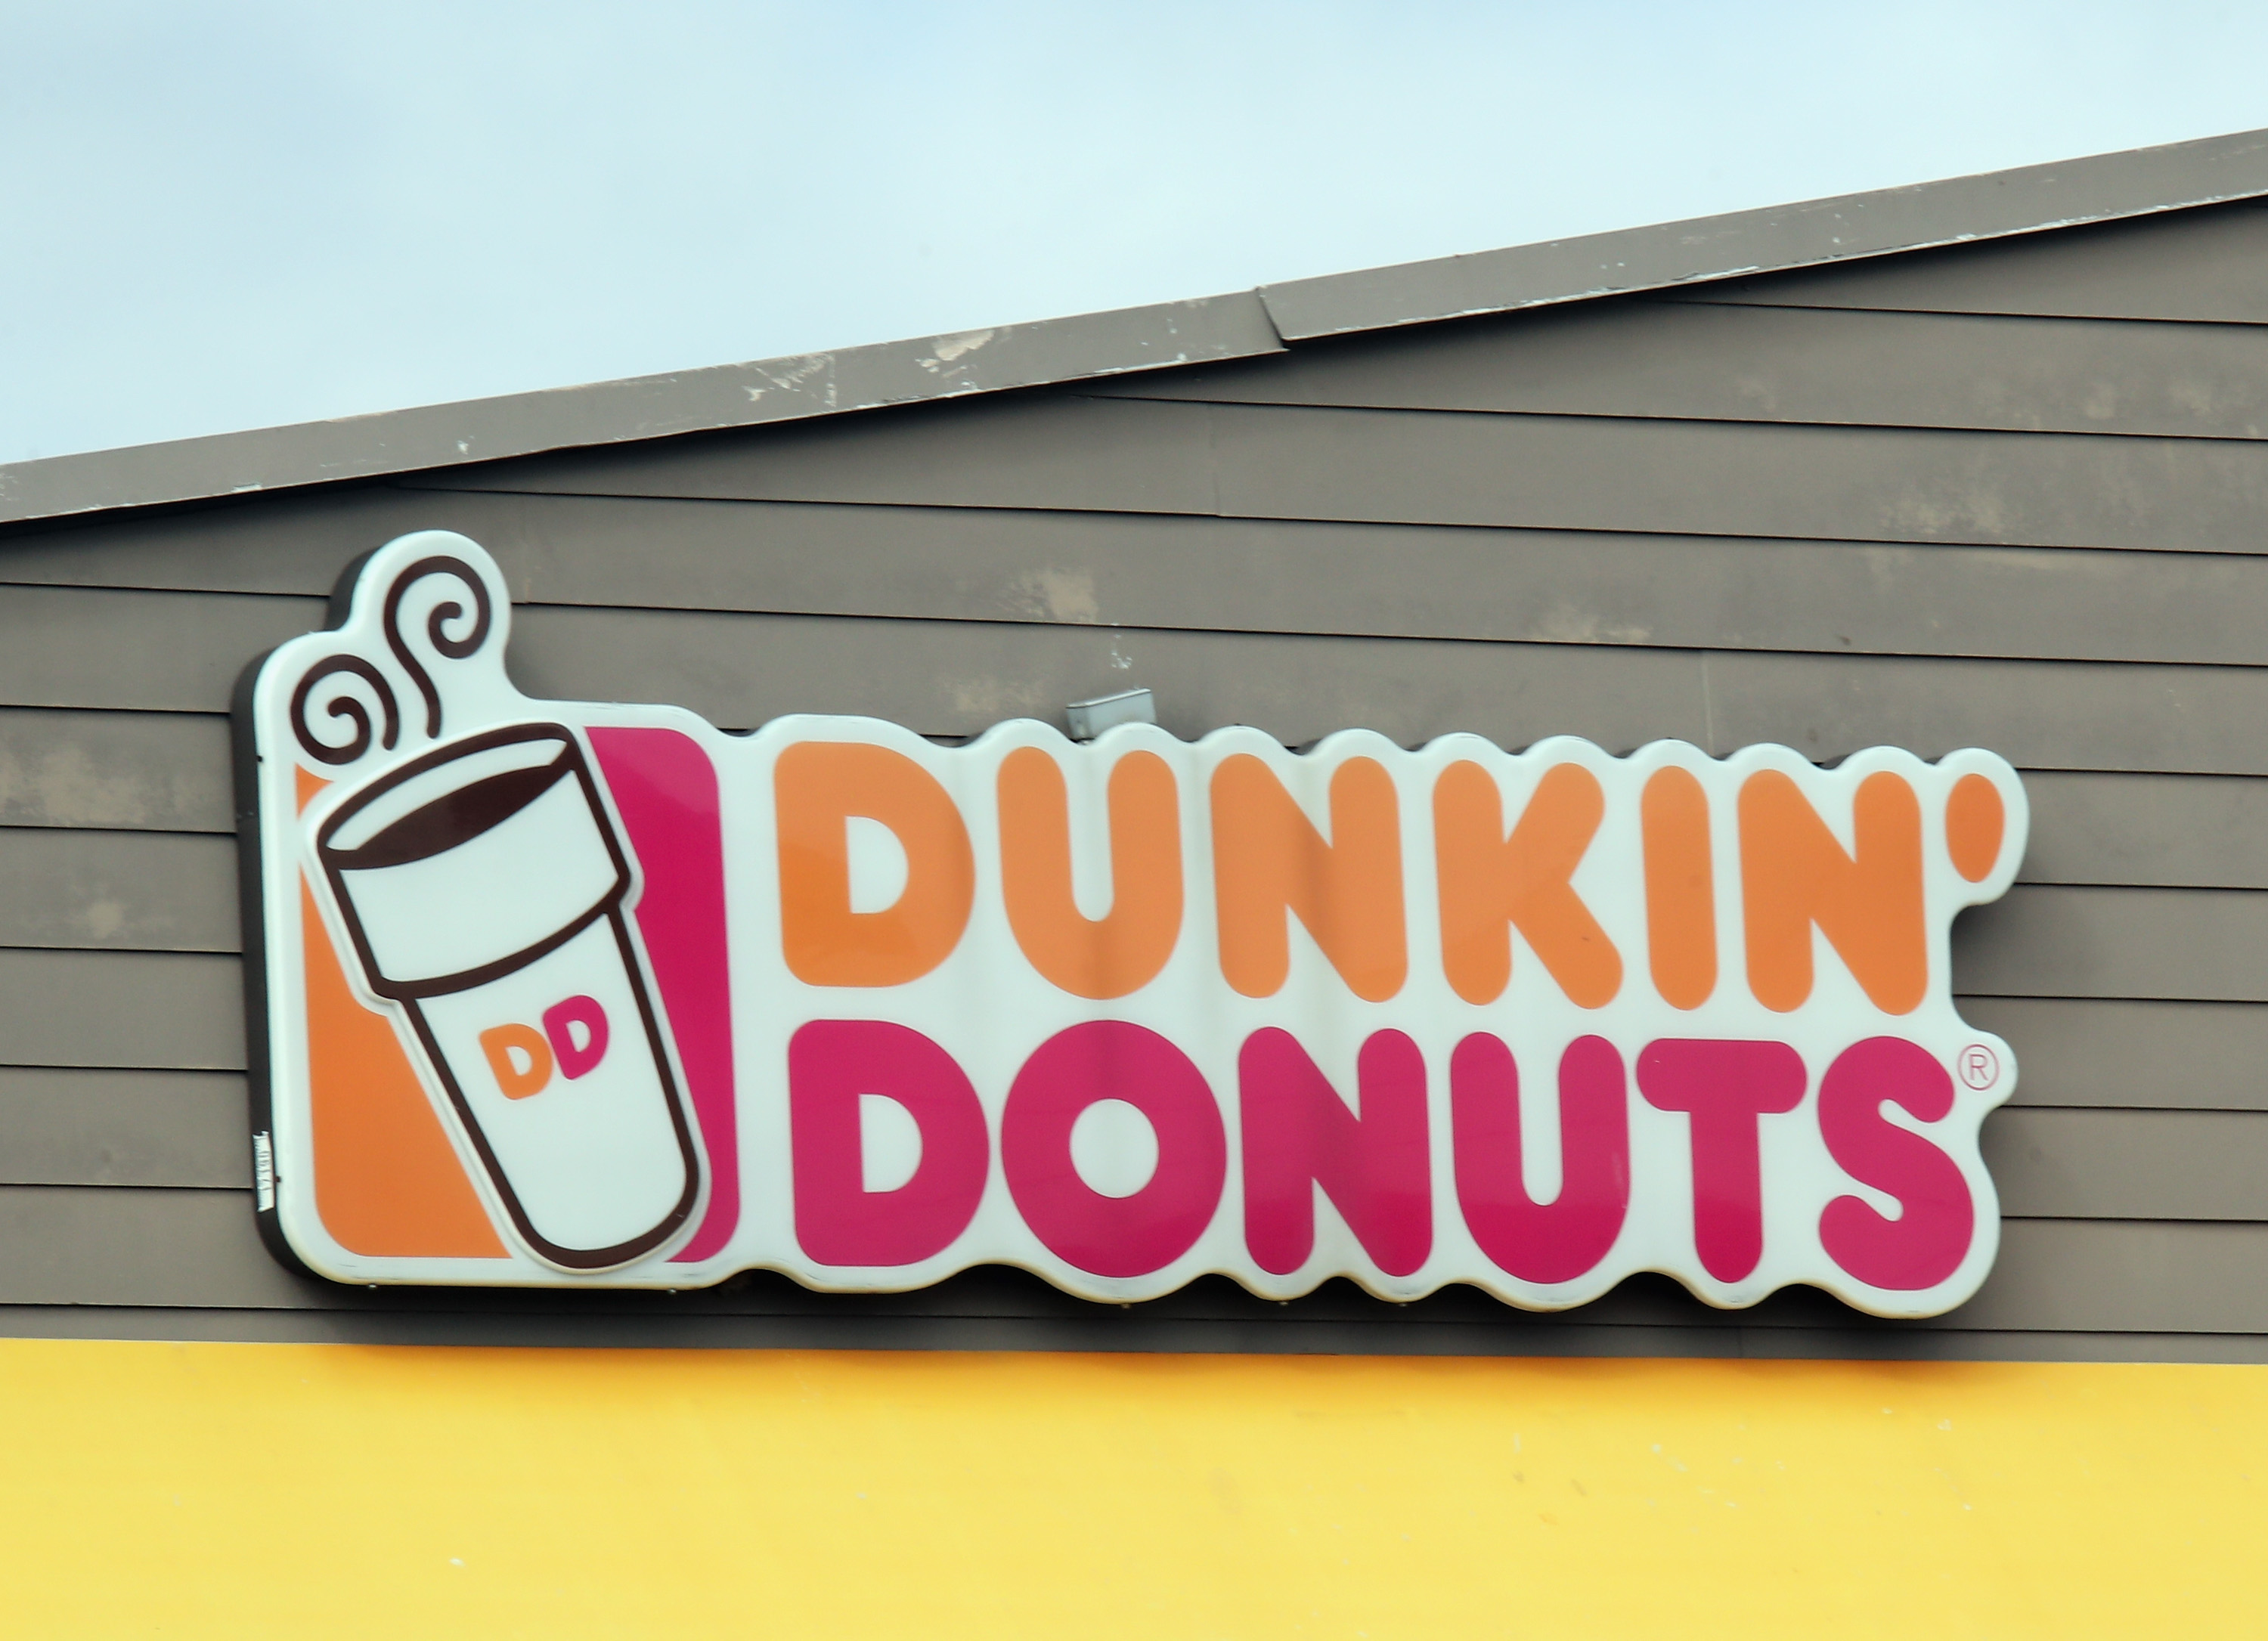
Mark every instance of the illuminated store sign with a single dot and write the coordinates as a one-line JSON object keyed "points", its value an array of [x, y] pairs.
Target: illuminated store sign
{"points": [[581, 994]]}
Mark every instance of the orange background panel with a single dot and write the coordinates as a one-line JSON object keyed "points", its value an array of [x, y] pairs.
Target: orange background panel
{"points": [[387, 1180]]}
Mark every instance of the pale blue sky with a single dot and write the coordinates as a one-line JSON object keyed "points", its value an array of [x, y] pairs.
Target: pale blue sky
{"points": [[228, 214]]}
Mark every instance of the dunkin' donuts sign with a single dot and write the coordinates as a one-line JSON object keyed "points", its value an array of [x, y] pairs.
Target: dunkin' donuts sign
{"points": [[578, 994]]}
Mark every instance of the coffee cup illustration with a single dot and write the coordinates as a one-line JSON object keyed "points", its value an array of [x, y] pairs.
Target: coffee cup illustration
{"points": [[481, 885]]}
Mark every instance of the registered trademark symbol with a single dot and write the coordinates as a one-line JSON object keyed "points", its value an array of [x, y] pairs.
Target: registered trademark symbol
{"points": [[1980, 1066]]}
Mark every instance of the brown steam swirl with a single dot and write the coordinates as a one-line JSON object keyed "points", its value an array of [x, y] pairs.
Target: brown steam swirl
{"points": [[346, 706], [436, 627]]}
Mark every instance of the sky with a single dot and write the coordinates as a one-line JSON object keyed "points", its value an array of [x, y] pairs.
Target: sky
{"points": [[228, 214]]}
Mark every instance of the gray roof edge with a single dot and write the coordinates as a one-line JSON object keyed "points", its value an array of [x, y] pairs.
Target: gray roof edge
{"points": [[431, 436], [2104, 187], [1243, 325]]}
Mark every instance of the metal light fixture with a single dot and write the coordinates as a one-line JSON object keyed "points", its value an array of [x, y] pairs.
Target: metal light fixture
{"points": [[1090, 718]]}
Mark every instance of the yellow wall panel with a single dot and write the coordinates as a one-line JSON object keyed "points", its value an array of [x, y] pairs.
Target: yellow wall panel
{"points": [[335, 1490]]}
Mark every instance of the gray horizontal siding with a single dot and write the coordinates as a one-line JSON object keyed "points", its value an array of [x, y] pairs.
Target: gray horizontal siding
{"points": [[2192, 945], [2198, 266], [2120, 1052], [2110, 1275], [2040, 715], [129, 891], [956, 678], [2050, 1164], [174, 1010], [182, 653], [2128, 1163], [1212, 574], [65, 1245], [1751, 362], [847, 1326], [1812, 482], [196, 1249], [2174, 831], [71, 1127], [293, 543], [152, 652], [156, 771]]}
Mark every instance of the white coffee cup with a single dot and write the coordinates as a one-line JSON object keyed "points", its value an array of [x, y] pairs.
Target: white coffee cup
{"points": [[481, 887]]}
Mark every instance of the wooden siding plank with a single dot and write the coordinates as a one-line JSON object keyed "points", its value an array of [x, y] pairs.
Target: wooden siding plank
{"points": [[2120, 1274], [1406, 581], [156, 651], [1829, 483], [851, 1329], [2184, 831], [151, 771], [290, 542], [1122, 1331], [69, 1127], [1248, 574], [1977, 1344], [1825, 483], [959, 678], [134, 891], [1753, 363], [133, 1009], [2129, 1165], [2181, 945], [62, 1245], [218, 1260], [67, 1244], [1385, 580], [1669, 255], [822, 385], [1048, 450], [2038, 715], [169, 772], [2122, 1052], [2200, 266]]}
